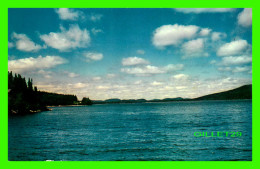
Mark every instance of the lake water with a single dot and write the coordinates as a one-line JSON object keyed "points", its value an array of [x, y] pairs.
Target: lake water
{"points": [[145, 131]]}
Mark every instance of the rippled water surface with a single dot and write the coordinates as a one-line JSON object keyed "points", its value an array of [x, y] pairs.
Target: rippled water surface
{"points": [[146, 131]]}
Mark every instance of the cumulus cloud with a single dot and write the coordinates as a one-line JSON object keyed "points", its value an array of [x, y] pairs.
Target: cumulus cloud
{"points": [[155, 83], [194, 48], [204, 10], [218, 36], [235, 64], [233, 48], [131, 61], [93, 56], [30, 64], [68, 39], [242, 69], [24, 43], [205, 32], [236, 60], [148, 70], [180, 77], [45, 74], [237, 69], [143, 71], [67, 14], [245, 17], [167, 35]]}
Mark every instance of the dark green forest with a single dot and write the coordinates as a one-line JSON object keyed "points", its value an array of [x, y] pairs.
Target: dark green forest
{"points": [[24, 97]]}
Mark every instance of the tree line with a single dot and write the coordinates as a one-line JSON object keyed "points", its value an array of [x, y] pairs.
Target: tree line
{"points": [[24, 97]]}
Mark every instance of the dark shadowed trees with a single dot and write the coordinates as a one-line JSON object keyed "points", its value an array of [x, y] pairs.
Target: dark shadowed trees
{"points": [[24, 98]]}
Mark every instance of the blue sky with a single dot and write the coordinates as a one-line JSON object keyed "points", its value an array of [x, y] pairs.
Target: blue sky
{"points": [[132, 53]]}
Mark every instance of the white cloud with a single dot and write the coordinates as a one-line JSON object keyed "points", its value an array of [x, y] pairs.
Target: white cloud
{"points": [[148, 88], [78, 85], [237, 69], [24, 43], [181, 87], [45, 74], [217, 36], [131, 61], [10, 45], [236, 60], [194, 48], [226, 69], [148, 70], [172, 67], [155, 83], [204, 10], [29, 64], [93, 56], [143, 71], [181, 77], [97, 78], [233, 48], [141, 52], [167, 35], [96, 31], [72, 75], [95, 17], [67, 14], [68, 39], [205, 32], [242, 69], [245, 17], [103, 87]]}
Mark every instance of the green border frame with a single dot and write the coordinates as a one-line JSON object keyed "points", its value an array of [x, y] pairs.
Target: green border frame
{"points": [[4, 163]]}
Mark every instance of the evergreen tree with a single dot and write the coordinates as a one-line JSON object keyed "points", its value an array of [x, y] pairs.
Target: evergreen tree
{"points": [[86, 101], [24, 98]]}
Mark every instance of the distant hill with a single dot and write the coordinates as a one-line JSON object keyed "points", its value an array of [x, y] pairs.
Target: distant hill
{"points": [[243, 92], [169, 99], [115, 100]]}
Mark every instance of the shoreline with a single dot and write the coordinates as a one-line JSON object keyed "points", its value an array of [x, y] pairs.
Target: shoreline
{"points": [[16, 112], [192, 100]]}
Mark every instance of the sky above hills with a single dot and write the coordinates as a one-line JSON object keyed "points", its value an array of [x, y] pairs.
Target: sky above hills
{"points": [[132, 53]]}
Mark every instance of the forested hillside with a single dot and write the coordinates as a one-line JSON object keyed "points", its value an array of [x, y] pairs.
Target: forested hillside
{"points": [[24, 98]]}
